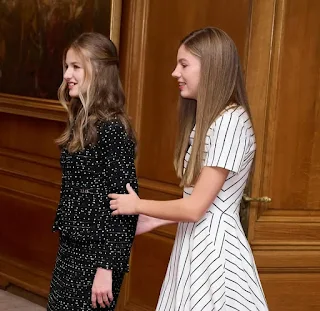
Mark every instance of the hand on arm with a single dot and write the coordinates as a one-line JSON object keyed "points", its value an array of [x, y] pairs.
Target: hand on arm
{"points": [[189, 209], [102, 288]]}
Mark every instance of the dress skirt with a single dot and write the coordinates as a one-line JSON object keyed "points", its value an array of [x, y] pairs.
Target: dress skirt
{"points": [[73, 276]]}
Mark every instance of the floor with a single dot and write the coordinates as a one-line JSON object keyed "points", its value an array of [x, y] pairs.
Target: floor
{"points": [[11, 302]]}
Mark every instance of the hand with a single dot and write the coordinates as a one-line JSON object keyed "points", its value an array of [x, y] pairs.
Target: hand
{"points": [[124, 204], [145, 224], [102, 288]]}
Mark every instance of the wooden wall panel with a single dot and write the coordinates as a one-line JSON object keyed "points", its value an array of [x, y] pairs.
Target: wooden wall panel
{"points": [[145, 281], [30, 179], [30, 135], [292, 291], [283, 84], [288, 132], [26, 230]]}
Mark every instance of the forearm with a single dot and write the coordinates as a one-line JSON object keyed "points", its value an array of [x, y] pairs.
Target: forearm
{"points": [[163, 222], [112, 256], [157, 222], [169, 211]]}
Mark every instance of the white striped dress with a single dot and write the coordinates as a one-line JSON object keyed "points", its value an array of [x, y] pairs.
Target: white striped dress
{"points": [[211, 265]]}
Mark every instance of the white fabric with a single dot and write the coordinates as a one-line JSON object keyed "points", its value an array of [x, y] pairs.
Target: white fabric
{"points": [[211, 265]]}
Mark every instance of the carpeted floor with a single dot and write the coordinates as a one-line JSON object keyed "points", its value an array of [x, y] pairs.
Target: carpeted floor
{"points": [[11, 302]]}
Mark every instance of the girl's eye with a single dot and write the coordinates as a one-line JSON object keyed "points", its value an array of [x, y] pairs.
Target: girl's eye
{"points": [[183, 65], [76, 67]]}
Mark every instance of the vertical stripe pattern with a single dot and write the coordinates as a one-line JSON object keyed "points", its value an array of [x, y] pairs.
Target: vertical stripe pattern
{"points": [[211, 265]]}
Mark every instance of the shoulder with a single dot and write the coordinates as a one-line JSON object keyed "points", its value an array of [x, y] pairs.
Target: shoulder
{"points": [[113, 132], [110, 125], [234, 114], [231, 118], [111, 128]]}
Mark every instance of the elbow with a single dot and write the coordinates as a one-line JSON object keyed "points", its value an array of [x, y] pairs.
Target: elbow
{"points": [[194, 216], [194, 212]]}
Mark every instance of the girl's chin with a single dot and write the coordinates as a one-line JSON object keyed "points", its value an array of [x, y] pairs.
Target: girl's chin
{"points": [[186, 96], [73, 94]]}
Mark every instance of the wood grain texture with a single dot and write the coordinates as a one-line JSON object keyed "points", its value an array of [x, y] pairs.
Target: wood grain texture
{"points": [[283, 85]]}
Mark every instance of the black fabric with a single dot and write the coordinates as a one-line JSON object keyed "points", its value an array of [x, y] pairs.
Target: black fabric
{"points": [[92, 237]]}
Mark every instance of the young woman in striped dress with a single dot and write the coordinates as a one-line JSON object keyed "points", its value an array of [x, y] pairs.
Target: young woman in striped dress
{"points": [[211, 265]]}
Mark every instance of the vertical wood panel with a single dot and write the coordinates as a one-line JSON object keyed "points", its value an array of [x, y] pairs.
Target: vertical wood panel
{"points": [[30, 179], [283, 84]]}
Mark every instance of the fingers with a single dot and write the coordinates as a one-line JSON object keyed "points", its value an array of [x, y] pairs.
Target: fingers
{"points": [[106, 299], [115, 213], [114, 207], [94, 300], [113, 196], [110, 296], [102, 298], [113, 204], [129, 189]]}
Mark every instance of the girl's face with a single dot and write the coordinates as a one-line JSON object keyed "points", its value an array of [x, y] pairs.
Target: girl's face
{"points": [[187, 73], [75, 74]]}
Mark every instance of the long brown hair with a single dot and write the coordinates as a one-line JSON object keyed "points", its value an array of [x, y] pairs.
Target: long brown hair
{"points": [[221, 85], [104, 97]]}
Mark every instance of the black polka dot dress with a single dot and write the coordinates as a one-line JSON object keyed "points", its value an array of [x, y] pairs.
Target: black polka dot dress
{"points": [[89, 236]]}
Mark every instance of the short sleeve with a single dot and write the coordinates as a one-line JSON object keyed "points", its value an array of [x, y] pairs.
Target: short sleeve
{"points": [[227, 142]]}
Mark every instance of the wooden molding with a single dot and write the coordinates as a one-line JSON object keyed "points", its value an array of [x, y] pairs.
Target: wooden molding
{"points": [[287, 260], [134, 307], [132, 58], [160, 187], [3, 282], [115, 22], [23, 196], [30, 158], [32, 107], [258, 71], [306, 218], [23, 176], [30, 279]]}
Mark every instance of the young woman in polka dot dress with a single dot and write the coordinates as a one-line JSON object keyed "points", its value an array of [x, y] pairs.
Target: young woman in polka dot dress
{"points": [[97, 158]]}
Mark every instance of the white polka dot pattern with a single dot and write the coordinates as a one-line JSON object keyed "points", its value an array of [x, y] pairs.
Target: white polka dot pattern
{"points": [[89, 236]]}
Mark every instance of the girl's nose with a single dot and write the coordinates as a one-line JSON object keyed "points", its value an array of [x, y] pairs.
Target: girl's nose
{"points": [[176, 73], [67, 74]]}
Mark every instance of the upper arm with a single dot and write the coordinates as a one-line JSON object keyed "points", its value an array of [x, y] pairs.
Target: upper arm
{"points": [[207, 187], [115, 141], [228, 141], [118, 157]]}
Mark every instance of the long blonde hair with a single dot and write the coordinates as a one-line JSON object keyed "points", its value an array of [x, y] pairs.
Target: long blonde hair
{"points": [[104, 97], [221, 84]]}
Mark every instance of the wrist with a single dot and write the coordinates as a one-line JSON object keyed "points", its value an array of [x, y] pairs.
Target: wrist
{"points": [[138, 207], [104, 269]]}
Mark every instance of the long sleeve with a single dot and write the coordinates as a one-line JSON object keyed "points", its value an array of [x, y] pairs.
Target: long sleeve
{"points": [[118, 169]]}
